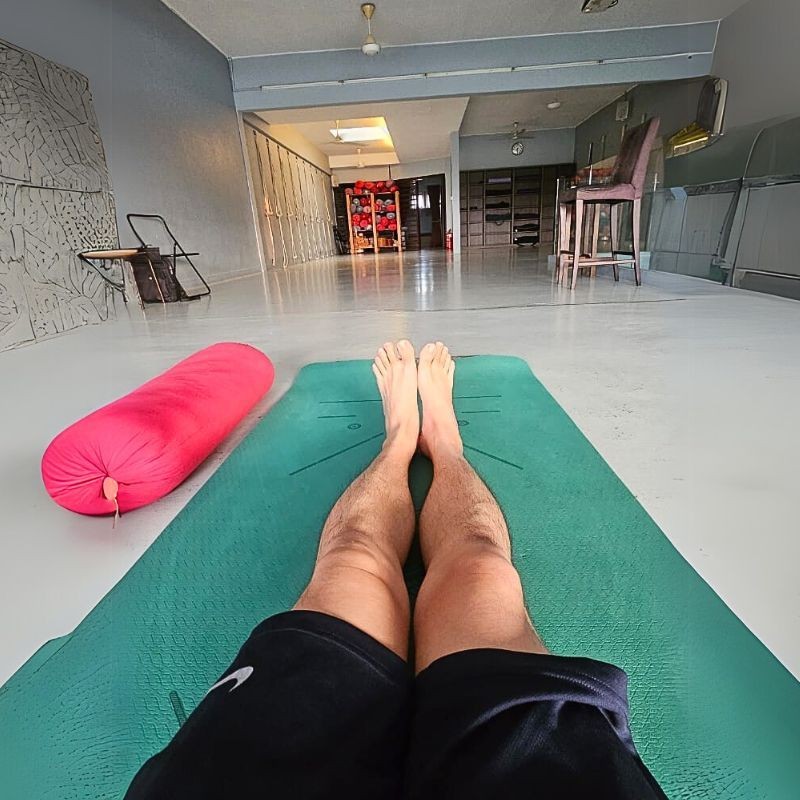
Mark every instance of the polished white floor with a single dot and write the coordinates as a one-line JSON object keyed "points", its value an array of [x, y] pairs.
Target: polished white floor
{"points": [[689, 390]]}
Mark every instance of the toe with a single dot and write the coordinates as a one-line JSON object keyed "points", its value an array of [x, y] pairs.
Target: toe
{"points": [[376, 371], [390, 351], [427, 353], [444, 355], [383, 357], [378, 367], [406, 350]]}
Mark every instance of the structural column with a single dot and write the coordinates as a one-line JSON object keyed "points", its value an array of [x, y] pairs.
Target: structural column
{"points": [[454, 193]]}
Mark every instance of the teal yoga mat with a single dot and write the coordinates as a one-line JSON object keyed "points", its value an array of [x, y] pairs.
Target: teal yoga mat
{"points": [[713, 713]]}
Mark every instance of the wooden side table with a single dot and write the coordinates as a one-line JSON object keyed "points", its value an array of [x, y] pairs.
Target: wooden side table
{"points": [[110, 256]]}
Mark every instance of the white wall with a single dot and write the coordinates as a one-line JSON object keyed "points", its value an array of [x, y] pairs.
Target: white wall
{"points": [[757, 52], [292, 139], [490, 152], [418, 169], [414, 169], [365, 174]]}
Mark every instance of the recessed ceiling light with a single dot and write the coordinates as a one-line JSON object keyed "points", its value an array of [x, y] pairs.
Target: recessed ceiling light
{"points": [[593, 6], [554, 105], [373, 133]]}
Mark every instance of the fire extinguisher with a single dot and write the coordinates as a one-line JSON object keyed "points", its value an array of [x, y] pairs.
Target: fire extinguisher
{"points": [[448, 239]]}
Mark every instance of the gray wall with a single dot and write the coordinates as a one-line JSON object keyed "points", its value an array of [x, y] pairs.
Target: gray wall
{"points": [[164, 103], [675, 102], [490, 152], [757, 52]]}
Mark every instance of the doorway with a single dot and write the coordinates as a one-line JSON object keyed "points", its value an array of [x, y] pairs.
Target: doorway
{"points": [[426, 200]]}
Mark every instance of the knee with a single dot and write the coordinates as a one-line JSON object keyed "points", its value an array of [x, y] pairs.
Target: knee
{"points": [[353, 549], [488, 568], [473, 601], [481, 576]]}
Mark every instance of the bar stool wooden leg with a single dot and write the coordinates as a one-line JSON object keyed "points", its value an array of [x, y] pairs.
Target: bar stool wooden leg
{"points": [[637, 245], [568, 234], [595, 234], [614, 234], [564, 221], [578, 241]]}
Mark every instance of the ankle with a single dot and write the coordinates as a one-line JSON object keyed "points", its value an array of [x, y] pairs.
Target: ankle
{"points": [[445, 450], [399, 447]]}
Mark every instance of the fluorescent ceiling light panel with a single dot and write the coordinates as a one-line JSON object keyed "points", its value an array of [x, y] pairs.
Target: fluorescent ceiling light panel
{"points": [[372, 134]]}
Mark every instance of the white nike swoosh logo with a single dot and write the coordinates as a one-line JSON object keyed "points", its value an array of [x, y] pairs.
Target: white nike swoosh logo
{"points": [[239, 676]]}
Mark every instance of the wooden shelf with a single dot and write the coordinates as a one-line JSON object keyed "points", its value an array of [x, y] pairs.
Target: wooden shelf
{"points": [[375, 239], [509, 206]]}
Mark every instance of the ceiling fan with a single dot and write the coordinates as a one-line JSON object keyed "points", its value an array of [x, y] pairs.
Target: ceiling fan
{"points": [[520, 133], [515, 134], [337, 138]]}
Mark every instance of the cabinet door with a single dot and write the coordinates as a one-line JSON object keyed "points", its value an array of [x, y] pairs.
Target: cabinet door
{"points": [[282, 230], [261, 201]]}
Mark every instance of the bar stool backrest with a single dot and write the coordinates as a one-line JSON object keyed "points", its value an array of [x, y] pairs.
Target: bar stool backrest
{"points": [[631, 164]]}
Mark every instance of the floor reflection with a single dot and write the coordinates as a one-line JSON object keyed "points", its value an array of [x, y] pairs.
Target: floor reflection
{"points": [[435, 280]]}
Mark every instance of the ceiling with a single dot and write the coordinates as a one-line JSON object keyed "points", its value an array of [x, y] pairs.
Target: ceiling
{"points": [[245, 27], [495, 113], [420, 129], [318, 132]]}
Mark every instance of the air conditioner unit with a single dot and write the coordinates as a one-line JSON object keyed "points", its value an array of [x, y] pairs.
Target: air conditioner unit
{"points": [[711, 105], [708, 123]]}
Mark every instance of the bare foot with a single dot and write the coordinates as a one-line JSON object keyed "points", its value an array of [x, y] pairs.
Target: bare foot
{"points": [[395, 371], [440, 435]]}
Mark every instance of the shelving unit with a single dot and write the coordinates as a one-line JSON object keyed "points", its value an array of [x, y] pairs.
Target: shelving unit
{"points": [[515, 205], [475, 208], [361, 238], [526, 228], [378, 206], [388, 239], [498, 195]]}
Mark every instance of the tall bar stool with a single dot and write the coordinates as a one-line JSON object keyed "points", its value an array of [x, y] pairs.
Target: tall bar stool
{"points": [[626, 186]]}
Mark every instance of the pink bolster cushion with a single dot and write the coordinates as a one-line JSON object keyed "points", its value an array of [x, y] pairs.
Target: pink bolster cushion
{"points": [[140, 447]]}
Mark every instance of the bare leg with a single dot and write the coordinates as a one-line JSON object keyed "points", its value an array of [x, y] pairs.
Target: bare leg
{"points": [[358, 575], [471, 596]]}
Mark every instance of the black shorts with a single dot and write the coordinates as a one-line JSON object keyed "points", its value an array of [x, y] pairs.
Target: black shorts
{"points": [[314, 707]]}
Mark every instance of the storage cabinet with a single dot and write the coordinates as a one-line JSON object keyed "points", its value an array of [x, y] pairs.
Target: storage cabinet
{"points": [[515, 205]]}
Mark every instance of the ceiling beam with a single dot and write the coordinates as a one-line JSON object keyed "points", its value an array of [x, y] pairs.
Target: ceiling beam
{"points": [[523, 63]]}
